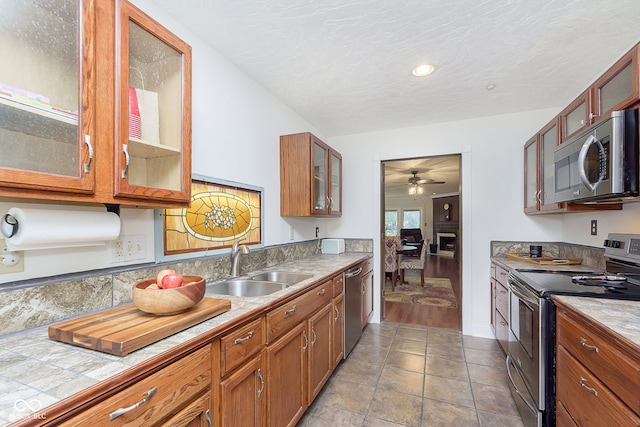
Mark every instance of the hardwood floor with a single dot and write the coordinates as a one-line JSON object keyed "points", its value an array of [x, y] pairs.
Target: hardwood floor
{"points": [[429, 315]]}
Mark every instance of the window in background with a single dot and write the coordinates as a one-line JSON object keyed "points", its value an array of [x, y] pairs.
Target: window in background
{"points": [[391, 223], [411, 219]]}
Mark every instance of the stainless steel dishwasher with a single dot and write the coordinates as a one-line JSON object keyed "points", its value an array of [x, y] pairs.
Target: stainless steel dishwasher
{"points": [[352, 308]]}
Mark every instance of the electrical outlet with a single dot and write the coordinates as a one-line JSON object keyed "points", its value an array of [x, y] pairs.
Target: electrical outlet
{"points": [[139, 247], [594, 227], [128, 248], [291, 235], [10, 262], [117, 250]]}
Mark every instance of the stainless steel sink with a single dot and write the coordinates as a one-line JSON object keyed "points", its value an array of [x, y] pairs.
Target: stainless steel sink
{"points": [[282, 277], [246, 288]]}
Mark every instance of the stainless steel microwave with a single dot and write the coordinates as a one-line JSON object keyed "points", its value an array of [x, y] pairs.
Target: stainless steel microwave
{"points": [[600, 163]]}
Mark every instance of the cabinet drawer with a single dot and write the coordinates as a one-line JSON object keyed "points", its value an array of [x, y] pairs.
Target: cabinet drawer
{"points": [[239, 345], [563, 419], [285, 317], [338, 285], [502, 276], [502, 300], [502, 331], [166, 391], [597, 353], [588, 401], [367, 265]]}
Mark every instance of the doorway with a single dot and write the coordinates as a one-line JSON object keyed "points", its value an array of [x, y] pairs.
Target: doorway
{"points": [[424, 194]]}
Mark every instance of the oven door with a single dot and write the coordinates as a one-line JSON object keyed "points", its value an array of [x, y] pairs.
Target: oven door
{"points": [[524, 339]]}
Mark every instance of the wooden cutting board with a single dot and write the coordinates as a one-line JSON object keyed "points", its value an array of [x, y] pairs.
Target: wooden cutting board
{"points": [[543, 260], [122, 330]]}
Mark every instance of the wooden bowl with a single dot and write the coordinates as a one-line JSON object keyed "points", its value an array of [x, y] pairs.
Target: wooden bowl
{"points": [[168, 301]]}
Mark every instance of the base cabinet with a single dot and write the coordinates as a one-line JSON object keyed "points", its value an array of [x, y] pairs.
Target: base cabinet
{"points": [[500, 305], [242, 399], [337, 330], [320, 358], [287, 361], [367, 291]]}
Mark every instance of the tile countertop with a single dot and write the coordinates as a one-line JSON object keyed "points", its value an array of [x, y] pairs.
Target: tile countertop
{"points": [[620, 316], [36, 372], [510, 264]]}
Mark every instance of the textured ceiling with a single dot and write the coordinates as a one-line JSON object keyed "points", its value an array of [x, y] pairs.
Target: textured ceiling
{"points": [[443, 169], [345, 65]]}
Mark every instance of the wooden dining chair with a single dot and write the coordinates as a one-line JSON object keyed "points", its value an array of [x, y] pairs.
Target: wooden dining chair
{"points": [[391, 258], [413, 263]]}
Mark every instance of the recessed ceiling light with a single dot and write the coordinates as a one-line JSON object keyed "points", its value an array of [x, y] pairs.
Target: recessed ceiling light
{"points": [[490, 86], [423, 70]]}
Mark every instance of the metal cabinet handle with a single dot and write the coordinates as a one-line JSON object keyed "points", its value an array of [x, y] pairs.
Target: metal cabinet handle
{"points": [[335, 308], [306, 341], [502, 323], [583, 342], [261, 383], [315, 337], [591, 389], [322, 292], [240, 340], [125, 150], [292, 310], [208, 417], [87, 141], [115, 414]]}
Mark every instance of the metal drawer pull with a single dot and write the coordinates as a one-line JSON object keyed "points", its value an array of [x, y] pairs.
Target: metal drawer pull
{"points": [[292, 310], [335, 308], [261, 383], [208, 416], [248, 337], [87, 166], [322, 292], [306, 341], [591, 389], [115, 414], [125, 150], [583, 342], [315, 337]]}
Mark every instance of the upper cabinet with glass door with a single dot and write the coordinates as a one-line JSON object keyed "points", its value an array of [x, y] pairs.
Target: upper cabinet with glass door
{"points": [[310, 177], [154, 110], [46, 88]]}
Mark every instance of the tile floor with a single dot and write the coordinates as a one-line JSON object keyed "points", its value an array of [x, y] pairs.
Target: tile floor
{"points": [[409, 375]]}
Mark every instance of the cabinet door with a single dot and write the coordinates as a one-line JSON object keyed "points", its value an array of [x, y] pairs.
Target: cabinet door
{"points": [[47, 91], [367, 298], [576, 116], [242, 399], [287, 366], [618, 88], [335, 186], [197, 414], [153, 121], [337, 329], [531, 188], [320, 360], [319, 177], [549, 138]]}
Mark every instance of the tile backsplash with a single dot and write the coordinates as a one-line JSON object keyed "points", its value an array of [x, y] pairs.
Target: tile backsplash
{"points": [[39, 302]]}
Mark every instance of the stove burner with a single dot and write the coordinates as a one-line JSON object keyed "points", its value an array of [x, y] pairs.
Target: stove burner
{"points": [[606, 283]]}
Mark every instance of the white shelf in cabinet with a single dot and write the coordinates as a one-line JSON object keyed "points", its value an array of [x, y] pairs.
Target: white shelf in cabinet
{"points": [[147, 150], [18, 117]]}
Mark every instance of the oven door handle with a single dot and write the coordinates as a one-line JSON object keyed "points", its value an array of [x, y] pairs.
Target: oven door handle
{"points": [[525, 299], [533, 409]]}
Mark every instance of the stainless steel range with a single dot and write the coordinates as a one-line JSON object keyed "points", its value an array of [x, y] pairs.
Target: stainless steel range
{"points": [[532, 339]]}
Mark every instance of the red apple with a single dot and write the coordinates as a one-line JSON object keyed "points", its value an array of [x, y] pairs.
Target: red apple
{"points": [[172, 281], [163, 273]]}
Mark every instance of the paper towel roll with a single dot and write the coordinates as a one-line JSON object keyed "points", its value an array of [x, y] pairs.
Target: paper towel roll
{"points": [[61, 228]]}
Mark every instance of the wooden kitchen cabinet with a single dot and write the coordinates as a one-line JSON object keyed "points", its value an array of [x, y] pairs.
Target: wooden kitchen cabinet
{"points": [[320, 357], [367, 291], [287, 366], [598, 374], [310, 177], [337, 327], [576, 116], [500, 305], [182, 388], [79, 143], [242, 395]]}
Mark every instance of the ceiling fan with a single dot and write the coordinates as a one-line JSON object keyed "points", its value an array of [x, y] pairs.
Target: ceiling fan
{"points": [[416, 180]]}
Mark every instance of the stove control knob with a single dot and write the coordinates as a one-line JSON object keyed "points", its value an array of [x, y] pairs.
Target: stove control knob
{"points": [[617, 244], [607, 243]]}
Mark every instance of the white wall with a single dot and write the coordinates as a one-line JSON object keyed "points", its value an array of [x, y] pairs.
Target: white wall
{"points": [[236, 129], [491, 197]]}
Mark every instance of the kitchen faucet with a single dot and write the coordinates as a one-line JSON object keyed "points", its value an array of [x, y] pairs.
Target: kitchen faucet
{"points": [[236, 251]]}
